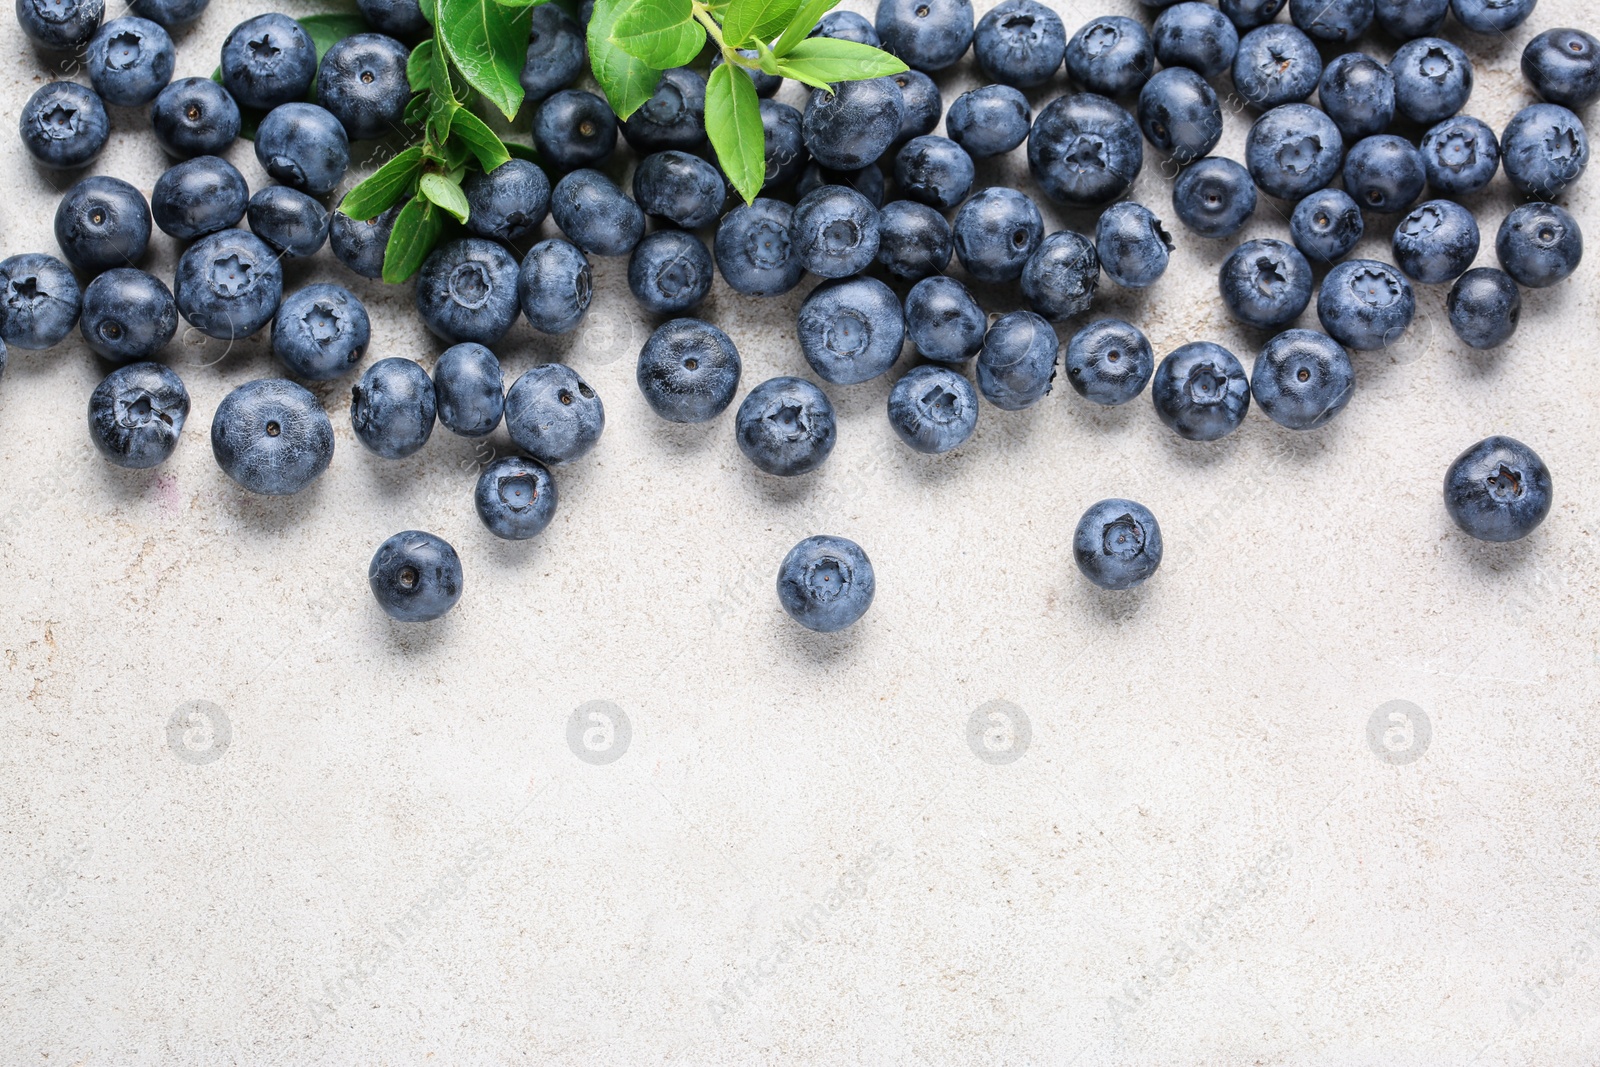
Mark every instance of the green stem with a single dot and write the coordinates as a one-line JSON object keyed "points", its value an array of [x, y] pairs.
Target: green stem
{"points": [[702, 15]]}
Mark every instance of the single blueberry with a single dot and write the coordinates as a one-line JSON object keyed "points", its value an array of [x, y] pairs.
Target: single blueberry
{"points": [[1491, 16], [785, 144], [228, 284], [1197, 36], [1336, 21], [1132, 245], [172, 14], [557, 52], [467, 291], [1538, 245], [127, 315], [851, 330], [101, 223], [835, 232], [1201, 392], [195, 117], [1214, 197], [415, 576], [554, 286], [688, 371], [989, 121], [469, 391], [1544, 150], [1266, 283], [392, 407], [944, 321], [1084, 150], [670, 272], [995, 233], [288, 220], [360, 243], [268, 60], [1484, 305], [868, 181], [826, 583], [1326, 225], [1405, 20], [130, 61], [595, 214], [136, 414], [933, 409], [683, 189], [1117, 544], [321, 332], [362, 83], [928, 35], [574, 129], [1109, 362], [1358, 93], [1018, 361], [846, 26], [1060, 278], [854, 124], [1302, 379], [754, 251], [1248, 14], [786, 426], [914, 240], [304, 147], [199, 196], [1276, 65], [673, 117], [923, 105], [1432, 79], [1111, 55], [553, 414], [272, 437], [1293, 150], [1020, 43], [1498, 490], [401, 18], [1436, 243], [1366, 305], [60, 25], [1180, 114], [1460, 156], [515, 497], [64, 125], [1563, 66], [934, 170], [39, 301], [1383, 173]]}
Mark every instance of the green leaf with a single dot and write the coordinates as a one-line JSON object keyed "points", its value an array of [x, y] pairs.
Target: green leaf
{"points": [[480, 139], [803, 22], [328, 30], [455, 151], [822, 61], [626, 81], [662, 33], [522, 151], [520, 3], [416, 231], [446, 194], [442, 106], [733, 121], [419, 66], [488, 44], [759, 20], [384, 187], [417, 110]]}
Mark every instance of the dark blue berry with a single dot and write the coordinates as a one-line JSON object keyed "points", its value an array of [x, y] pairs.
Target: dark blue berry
{"points": [[554, 286], [934, 170], [127, 315], [392, 407], [1544, 150], [835, 232], [1248, 14], [362, 83], [928, 35], [914, 240], [1084, 150], [136, 414], [688, 371], [995, 232], [195, 117], [1498, 490], [1384, 173], [1214, 197], [1436, 242], [321, 332], [172, 14], [1180, 114], [1326, 225], [469, 391], [515, 497], [683, 189], [1276, 65], [1266, 283], [557, 53], [1337, 21], [1201, 392], [754, 251], [1432, 79], [1112, 55], [670, 272], [853, 125], [595, 214], [268, 60], [467, 291], [933, 409], [1491, 16], [1460, 156], [846, 26], [360, 243], [786, 427], [786, 153], [673, 117], [1293, 150], [1197, 36], [229, 284], [1020, 43], [1117, 544], [553, 414], [826, 583], [39, 301], [923, 105], [288, 220], [1563, 66], [1358, 93], [944, 321], [1538, 245], [60, 25], [1109, 361], [1366, 305], [868, 181], [404, 18], [1484, 305], [272, 437], [1406, 20], [101, 223], [130, 61], [574, 129], [1302, 379], [989, 121], [851, 330], [1018, 361], [1060, 278], [415, 576], [304, 147], [199, 196], [1132, 245], [64, 125]]}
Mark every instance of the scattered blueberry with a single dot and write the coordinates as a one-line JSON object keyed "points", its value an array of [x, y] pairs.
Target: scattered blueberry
{"points": [[1060, 278], [1544, 150], [362, 83], [688, 371], [1383, 173], [136, 414], [553, 415], [288, 220], [1109, 361], [1563, 66], [683, 189], [673, 117], [853, 125], [995, 232], [39, 301], [1020, 43], [1302, 379], [934, 170], [303, 146], [1132, 245], [944, 321], [554, 286], [272, 437], [1538, 245], [1326, 225], [1196, 36], [1084, 150], [851, 330], [1214, 197], [1366, 305], [359, 244], [786, 152], [847, 26], [415, 576], [1018, 361], [928, 35], [826, 583], [670, 272], [392, 407], [1336, 21], [786, 426], [557, 52], [1498, 490], [320, 332], [404, 18], [1117, 544], [1460, 156], [1180, 114], [1266, 283], [595, 214], [195, 117], [171, 14], [1248, 14], [1276, 65], [1432, 79], [1405, 20], [868, 181], [130, 61], [268, 60], [574, 129], [914, 240], [1112, 55], [1201, 392], [467, 291], [60, 25], [64, 125], [199, 196], [923, 105], [835, 232], [933, 409], [1491, 16], [469, 391], [1436, 243], [1358, 94], [101, 223], [515, 497], [127, 315], [989, 121], [754, 251], [1293, 150], [1484, 305]]}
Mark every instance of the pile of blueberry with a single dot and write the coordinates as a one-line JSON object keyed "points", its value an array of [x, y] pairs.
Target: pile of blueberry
{"points": [[1384, 131]]}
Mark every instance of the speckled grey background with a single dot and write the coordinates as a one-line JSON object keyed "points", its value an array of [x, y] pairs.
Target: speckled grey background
{"points": [[1323, 792]]}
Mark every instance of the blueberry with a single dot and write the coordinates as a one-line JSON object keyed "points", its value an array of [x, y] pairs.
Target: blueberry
{"points": [[392, 407], [1084, 150], [1201, 392], [172, 14], [868, 181], [923, 105], [362, 83], [1197, 36], [1563, 66], [853, 125], [304, 147], [1248, 14], [1109, 361], [826, 583], [415, 576], [670, 272], [554, 286], [1358, 94], [1059, 280], [271, 437], [1538, 245], [1276, 65], [320, 332], [1302, 379], [673, 117], [1111, 55], [1020, 43], [989, 121], [469, 391], [1132, 245], [64, 125], [1384, 173], [933, 409], [914, 240], [1406, 20], [754, 251], [1117, 544], [1337, 21], [199, 196], [360, 244], [944, 321], [553, 415], [1018, 361], [60, 25], [288, 220], [557, 52], [39, 301], [765, 84], [467, 291], [1366, 305], [1214, 197], [515, 497], [1436, 243], [574, 129], [1293, 150], [1432, 79], [1460, 156], [101, 223], [595, 215], [995, 232], [928, 35], [934, 170], [1326, 225], [127, 315], [268, 60], [195, 117], [228, 284], [851, 330], [130, 61], [786, 426], [1180, 114], [1498, 490], [1484, 305], [683, 189], [1491, 16], [402, 18], [786, 153], [136, 414], [688, 371], [1544, 150], [1266, 283], [846, 26], [835, 232]]}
